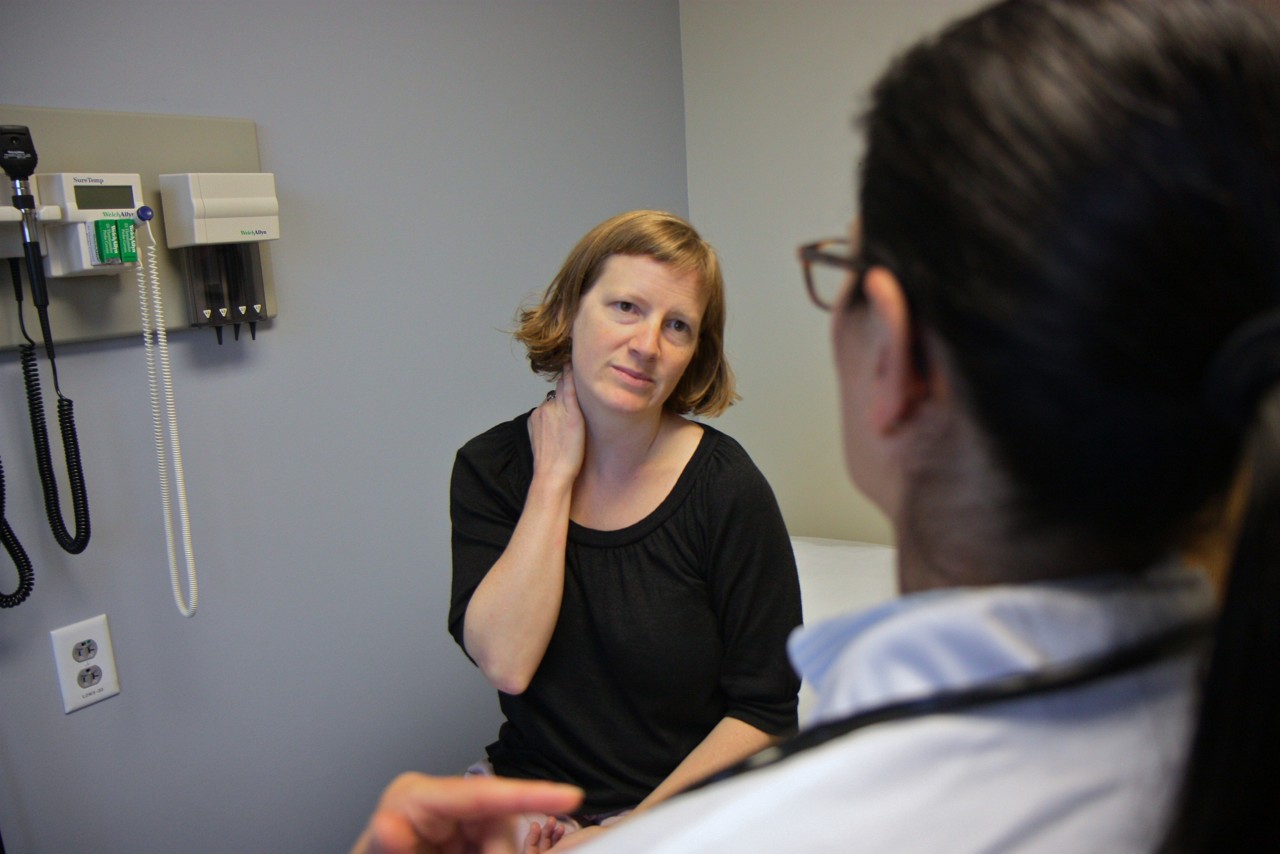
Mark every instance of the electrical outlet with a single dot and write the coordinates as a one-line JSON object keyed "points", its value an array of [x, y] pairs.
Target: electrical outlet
{"points": [[84, 650], [86, 663]]}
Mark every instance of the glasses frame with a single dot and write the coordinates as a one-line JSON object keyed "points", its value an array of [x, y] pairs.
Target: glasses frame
{"points": [[820, 253]]}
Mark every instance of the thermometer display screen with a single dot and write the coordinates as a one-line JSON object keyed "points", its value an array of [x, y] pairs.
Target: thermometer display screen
{"points": [[102, 196]]}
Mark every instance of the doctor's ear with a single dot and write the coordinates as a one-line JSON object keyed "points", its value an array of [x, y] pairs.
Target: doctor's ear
{"points": [[900, 379]]}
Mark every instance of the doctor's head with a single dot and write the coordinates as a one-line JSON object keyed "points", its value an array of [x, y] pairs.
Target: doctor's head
{"points": [[1067, 210]]}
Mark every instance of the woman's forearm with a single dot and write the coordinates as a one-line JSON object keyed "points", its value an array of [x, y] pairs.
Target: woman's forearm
{"points": [[514, 610], [729, 741]]}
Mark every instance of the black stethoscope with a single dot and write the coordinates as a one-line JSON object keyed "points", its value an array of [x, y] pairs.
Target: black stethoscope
{"points": [[1179, 640]]}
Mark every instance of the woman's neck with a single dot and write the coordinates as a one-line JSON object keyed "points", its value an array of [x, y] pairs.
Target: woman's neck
{"points": [[620, 446], [626, 474]]}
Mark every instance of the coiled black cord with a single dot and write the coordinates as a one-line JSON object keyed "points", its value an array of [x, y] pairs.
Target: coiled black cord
{"points": [[40, 436], [44, 460], [22, 563], [26, 577]]}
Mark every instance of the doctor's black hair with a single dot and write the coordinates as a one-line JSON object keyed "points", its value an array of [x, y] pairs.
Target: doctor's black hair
{"points": [[1081, 200]]}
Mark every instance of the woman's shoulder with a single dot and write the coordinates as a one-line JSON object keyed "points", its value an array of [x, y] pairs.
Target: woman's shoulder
{"points": [[725, 477], [503, 435], [722, 455], [500, 448]]}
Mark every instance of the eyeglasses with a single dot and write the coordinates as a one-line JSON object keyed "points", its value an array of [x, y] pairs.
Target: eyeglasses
{"points": [[827, 265]]}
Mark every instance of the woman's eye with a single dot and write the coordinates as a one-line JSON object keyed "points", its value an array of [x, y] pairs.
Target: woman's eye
{"points": [[623, 305], [679, 326]]}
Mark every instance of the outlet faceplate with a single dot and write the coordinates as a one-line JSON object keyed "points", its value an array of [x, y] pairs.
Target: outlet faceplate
{"points": [[86, 663]]}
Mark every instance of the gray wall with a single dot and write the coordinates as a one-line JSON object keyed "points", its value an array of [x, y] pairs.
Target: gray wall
{"points": [[434, 163]]}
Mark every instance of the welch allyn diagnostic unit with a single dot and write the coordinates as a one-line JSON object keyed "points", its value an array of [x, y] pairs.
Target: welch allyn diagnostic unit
{"points": [[216, 222]]}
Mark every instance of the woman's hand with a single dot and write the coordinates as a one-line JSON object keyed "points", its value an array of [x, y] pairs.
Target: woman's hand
{"points": [[541, 839], [419, 814], [558, 431]]}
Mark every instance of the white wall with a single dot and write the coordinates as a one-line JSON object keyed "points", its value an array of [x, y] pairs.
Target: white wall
{"points": [[435, 160], [771, 91]]}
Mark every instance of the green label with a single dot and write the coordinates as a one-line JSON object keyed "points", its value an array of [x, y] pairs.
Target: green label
{"points": [[107, 241], [128, 242]]}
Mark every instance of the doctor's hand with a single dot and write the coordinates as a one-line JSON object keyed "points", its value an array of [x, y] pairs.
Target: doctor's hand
{"points": [[558, 431], [417, 813]]}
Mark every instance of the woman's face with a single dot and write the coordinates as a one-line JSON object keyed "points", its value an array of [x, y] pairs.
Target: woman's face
{"points": [[634, 335]]}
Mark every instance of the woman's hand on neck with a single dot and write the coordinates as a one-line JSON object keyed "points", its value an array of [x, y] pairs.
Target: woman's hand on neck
{"points": [[558, 433]]}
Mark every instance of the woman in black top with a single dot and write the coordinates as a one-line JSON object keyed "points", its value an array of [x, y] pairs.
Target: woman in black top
{"points": [[622, 574]]}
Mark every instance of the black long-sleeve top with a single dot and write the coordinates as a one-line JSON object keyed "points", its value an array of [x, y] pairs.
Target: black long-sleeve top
{"points": [[666, 626]]}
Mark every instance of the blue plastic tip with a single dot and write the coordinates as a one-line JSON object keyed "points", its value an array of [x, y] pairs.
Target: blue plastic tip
{"points": [[145, 213]]}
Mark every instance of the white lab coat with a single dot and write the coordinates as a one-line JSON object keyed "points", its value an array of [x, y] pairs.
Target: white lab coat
{"points": [[1093, 768]]}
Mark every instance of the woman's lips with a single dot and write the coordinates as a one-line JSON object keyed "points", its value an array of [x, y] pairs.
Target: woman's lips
{"points": [[633, 376]]}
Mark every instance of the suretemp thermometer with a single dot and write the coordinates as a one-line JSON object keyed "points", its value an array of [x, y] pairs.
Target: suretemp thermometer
{"points": [[95, 236]]}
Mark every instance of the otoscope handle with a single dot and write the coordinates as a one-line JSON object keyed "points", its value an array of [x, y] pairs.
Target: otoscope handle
{"points": [[25, 202], [35, 274]]}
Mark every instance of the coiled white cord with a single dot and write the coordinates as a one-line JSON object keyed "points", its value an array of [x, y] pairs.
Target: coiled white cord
{"points": [[156, 339]]}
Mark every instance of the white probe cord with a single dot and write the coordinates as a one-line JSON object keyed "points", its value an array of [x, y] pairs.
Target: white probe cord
{"points": [[155, 338]]}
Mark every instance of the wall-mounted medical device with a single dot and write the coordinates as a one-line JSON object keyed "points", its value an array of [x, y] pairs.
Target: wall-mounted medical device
{"points": [[102, 305], [83, 230], [19, 160], [216, 222], [95, 233]]}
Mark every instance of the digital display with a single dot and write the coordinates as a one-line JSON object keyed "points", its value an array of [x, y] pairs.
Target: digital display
{"points": [[102, 196]]}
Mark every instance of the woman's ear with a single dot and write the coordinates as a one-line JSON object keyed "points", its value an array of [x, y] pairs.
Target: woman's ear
{"points": [[897, 385]]}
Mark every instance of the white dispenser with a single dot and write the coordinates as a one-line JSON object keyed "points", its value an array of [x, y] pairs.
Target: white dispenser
{"points": [[204, 208], [216, 220]]}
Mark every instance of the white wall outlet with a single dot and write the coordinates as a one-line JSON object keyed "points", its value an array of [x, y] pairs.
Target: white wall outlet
{"points": [[86, 663]]}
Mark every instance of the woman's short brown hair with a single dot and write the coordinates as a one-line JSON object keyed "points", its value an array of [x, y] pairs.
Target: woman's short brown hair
{"points": [[707, 387]]}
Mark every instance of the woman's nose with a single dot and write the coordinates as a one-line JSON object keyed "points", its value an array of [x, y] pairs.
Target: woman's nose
{"points": [[646, 339]]}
